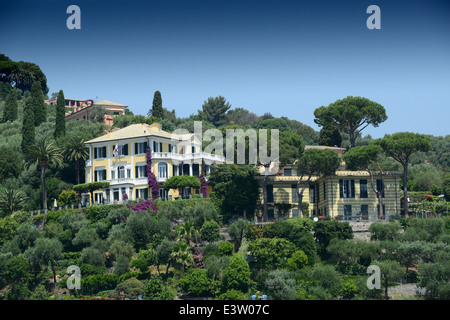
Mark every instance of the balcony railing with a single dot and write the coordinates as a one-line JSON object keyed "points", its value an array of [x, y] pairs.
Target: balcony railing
{"points": [[135, 181], [187, 156], [177, 156]]}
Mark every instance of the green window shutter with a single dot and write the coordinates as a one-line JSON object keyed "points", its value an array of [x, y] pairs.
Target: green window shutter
{"points": [[352, 188], [341, 188], [294, 193]]}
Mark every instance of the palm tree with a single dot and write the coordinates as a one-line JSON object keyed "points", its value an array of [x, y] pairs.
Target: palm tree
{"points": [[75, 151], [45, 152], [11, 199], [187, 232], [98, 114], [181, 256]]}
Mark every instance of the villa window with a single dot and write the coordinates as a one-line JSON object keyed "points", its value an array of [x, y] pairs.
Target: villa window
{"points": [[363, 188], [99, 152], [294, 193], [380, 187], [99, 175], [121, 172], [174, 170], [157, 146], [347, 188], [347, 211], [140, 147], [98, 197], [163, 194], [364, 211], [270, 193], [140, 171], [122, 149], [195, 169], [312, 194], [186, 170], [142, 193], [162, 170]]}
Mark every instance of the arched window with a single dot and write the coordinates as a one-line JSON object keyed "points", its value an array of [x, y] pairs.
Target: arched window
{"points": [[162, 170]]}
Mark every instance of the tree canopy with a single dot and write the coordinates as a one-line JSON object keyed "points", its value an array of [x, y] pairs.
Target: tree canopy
{"points": [[22, 74], [351, 115], [401, 146], [214, 110]]}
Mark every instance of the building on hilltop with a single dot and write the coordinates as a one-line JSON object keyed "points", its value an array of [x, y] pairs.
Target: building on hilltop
{"points": [[172, 155], [81, 109]]}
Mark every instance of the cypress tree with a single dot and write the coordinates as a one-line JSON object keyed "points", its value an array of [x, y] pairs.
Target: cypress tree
{"points": [[157, 108], [28, 131], [40, 109], [10, 110], [60, 125]]}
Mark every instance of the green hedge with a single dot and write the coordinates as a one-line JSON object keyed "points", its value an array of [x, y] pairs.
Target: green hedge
{"points": [[96, 213]]}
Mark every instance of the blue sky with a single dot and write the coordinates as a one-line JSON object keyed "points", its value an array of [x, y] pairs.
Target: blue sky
{"points": [[282, 57]]}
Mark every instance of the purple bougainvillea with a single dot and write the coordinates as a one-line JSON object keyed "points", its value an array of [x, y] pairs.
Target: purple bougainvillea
{"points": [[198, 257], [152, 183], [144, 206], [203, 187]]}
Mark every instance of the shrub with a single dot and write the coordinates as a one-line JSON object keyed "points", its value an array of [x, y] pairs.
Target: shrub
{"points": [[155, 289], [226, 248], [232, 294], [236, 275], [324, 231], [67, 197], [92, 256], [280, 285], [384, 231], [298, 260], [270, 253], [349, 289], [131, 287], [210, 231], [96, 213], [435, 278], [98, 282], [197, 282], [325, 277], [122, 265]]}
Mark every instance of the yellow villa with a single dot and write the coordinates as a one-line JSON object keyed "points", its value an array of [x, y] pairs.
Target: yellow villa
{"points": [[119, 157], [347, 195]]}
